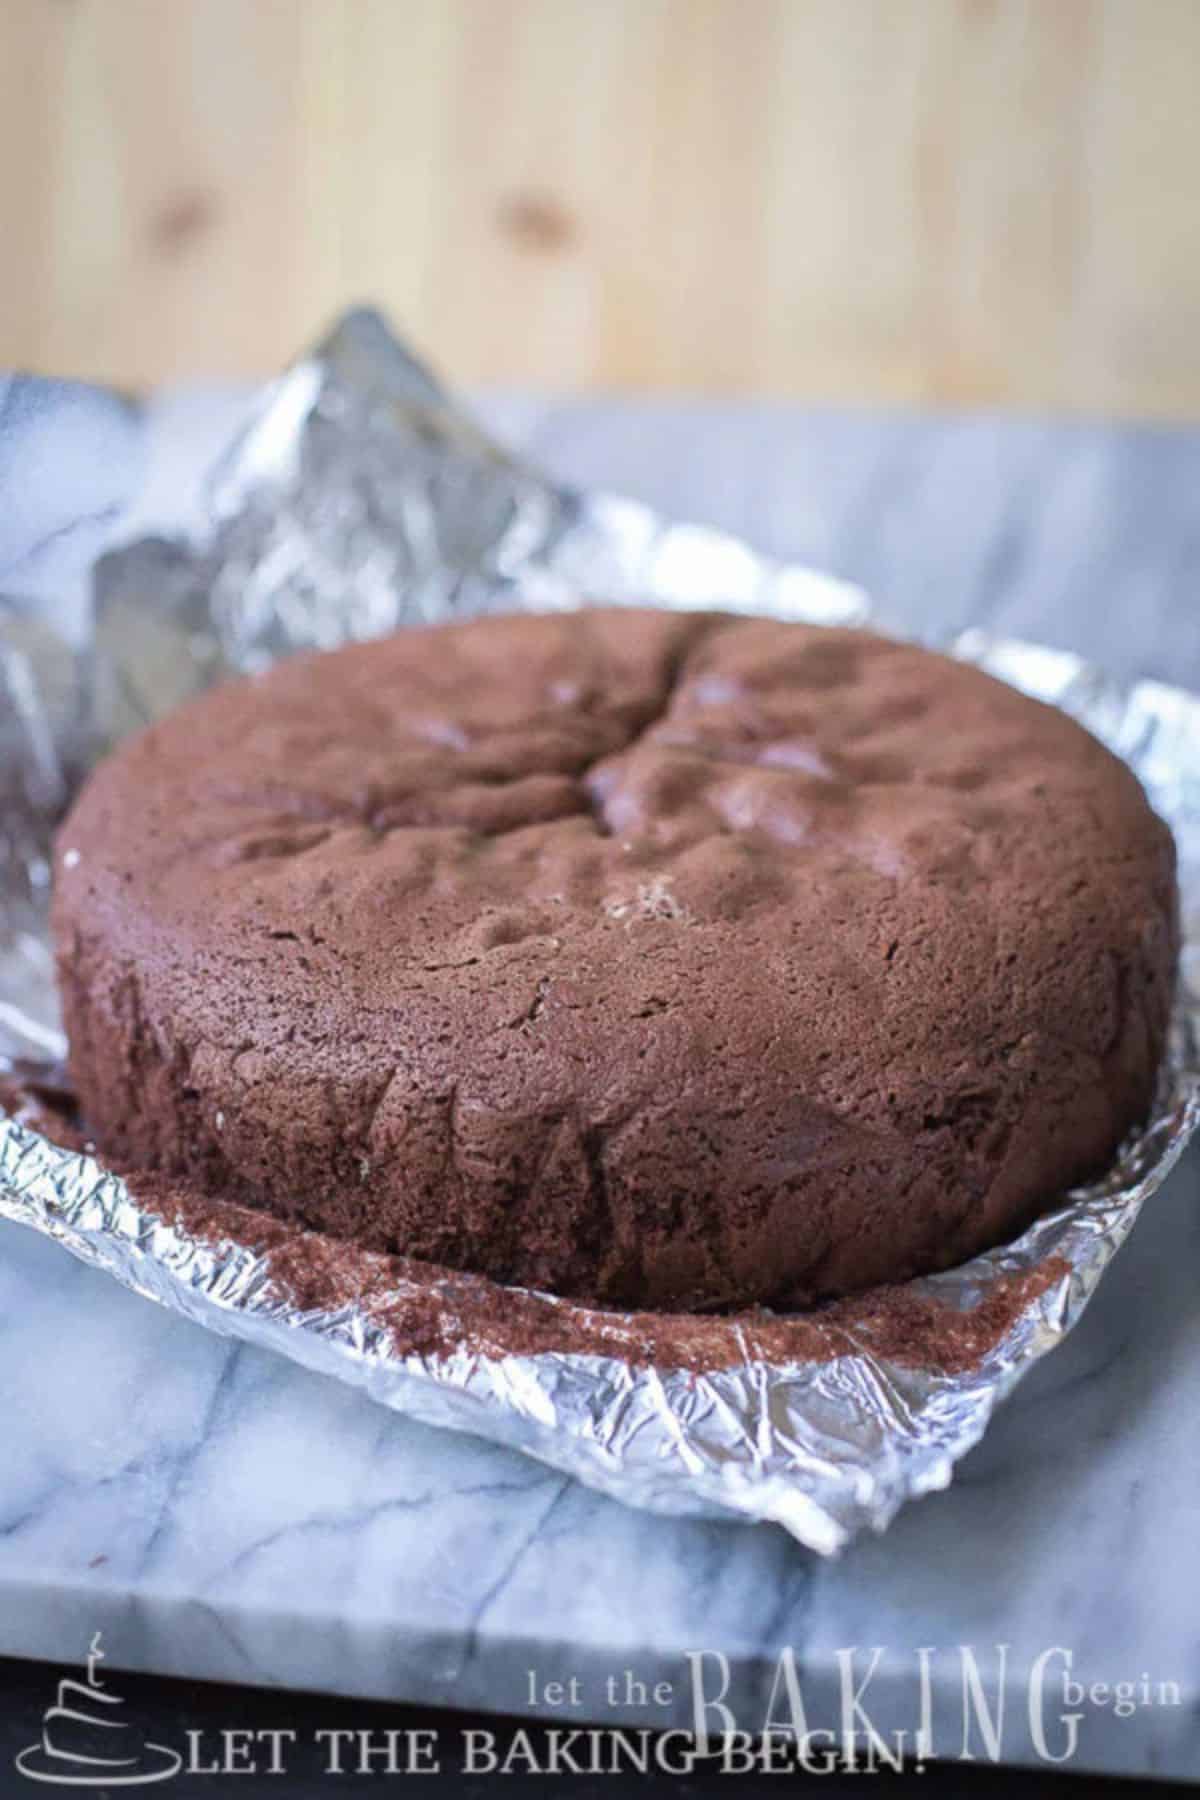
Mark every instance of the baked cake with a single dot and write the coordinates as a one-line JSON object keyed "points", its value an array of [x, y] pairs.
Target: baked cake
{"points": [[663, 959]]}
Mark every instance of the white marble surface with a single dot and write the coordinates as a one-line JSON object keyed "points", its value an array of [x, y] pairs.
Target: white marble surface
{"points": [[220, 1512]]}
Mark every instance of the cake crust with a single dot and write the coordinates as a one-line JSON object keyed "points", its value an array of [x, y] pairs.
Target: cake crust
{"points": [[662, 959]]}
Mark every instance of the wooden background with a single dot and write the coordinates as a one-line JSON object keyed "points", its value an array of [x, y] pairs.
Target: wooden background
{"points": [[929, 201]]}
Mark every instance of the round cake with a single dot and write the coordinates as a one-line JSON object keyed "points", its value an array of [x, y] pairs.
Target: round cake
{"points": [[669, 960]]}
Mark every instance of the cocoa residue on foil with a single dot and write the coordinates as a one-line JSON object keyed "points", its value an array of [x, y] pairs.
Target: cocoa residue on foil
{"points": [[431, 1311]]}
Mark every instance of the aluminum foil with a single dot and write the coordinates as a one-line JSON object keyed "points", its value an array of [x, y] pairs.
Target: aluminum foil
{"points": [[360, 499]]}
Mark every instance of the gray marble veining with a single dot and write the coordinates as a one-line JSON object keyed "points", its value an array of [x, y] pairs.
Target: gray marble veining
{"points": [[220, 1512]]}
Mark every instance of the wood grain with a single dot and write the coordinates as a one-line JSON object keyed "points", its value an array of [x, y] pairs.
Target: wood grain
{"points": [[902, 201]]}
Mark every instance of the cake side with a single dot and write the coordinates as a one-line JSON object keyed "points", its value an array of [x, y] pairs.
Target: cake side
{"points": [[662, 959]]}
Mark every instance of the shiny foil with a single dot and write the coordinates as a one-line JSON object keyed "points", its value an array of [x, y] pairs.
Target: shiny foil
{"points": [[362, 499]]}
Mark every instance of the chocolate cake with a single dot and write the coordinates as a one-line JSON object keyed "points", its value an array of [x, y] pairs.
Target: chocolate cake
{"points": [[667, 960]]}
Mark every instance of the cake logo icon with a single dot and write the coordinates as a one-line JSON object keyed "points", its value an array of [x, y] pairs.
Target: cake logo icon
{"points": [[85, 1742]]}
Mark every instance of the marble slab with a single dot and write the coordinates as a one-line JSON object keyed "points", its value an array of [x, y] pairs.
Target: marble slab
{"points": [[219, 1512]]}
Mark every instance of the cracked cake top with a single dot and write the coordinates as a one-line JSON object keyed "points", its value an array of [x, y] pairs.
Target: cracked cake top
{"points": [[660, 958]]}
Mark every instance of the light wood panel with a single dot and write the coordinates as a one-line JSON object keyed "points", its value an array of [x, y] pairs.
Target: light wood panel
{"points": [[946, 201]]}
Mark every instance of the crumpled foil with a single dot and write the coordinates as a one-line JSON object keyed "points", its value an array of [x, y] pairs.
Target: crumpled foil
{"points": [[361, 499]]}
